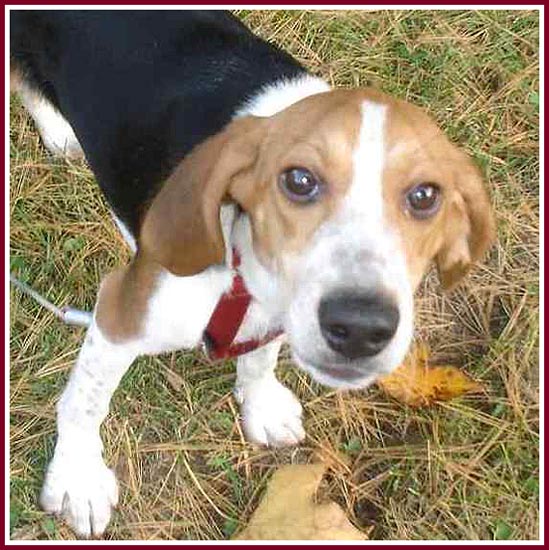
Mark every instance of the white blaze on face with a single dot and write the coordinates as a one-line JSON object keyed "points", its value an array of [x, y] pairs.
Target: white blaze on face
{"points": [[355, 252], [365, 197]]}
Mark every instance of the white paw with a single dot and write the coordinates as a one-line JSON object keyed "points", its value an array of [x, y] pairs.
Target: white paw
{"points": [[82, 490], [271, 414]]}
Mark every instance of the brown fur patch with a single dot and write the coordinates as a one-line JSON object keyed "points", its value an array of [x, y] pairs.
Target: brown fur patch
{"points": [[320, 134], [123, 298], [181, 229], [459, 234]]}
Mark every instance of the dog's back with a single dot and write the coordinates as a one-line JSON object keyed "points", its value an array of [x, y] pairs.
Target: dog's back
{"points": [[155, 83]]}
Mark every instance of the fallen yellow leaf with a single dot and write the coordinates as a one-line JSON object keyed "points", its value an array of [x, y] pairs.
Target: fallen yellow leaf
{"points": [[288, 511], [417, 384]]}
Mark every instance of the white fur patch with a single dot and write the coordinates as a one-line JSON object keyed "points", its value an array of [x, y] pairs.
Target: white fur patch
{"points": [[271, 414], [57, 134], [81, 488], [125, 232], [275, 97], [269, 295], [180, 309], [365, 196]]}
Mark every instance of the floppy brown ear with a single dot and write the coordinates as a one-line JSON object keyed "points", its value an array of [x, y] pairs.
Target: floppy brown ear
{"points": [[181, 229], [470, 228]]}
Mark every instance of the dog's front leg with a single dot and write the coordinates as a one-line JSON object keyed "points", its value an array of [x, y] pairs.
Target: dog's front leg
{"points": [[78, 484], [271, 414]]}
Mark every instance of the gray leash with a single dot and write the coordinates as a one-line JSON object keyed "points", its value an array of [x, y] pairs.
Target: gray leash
{"points": [[67, 314]]}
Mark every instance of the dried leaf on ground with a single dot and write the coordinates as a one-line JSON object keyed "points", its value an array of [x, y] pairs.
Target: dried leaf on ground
{"points": [[417, 384], [288, 510]]}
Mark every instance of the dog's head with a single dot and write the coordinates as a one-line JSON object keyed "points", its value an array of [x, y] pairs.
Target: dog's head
{"points": [[350, 195]]}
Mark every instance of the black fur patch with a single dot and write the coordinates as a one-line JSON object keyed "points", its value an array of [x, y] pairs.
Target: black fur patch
{"points": [[142, 88]]}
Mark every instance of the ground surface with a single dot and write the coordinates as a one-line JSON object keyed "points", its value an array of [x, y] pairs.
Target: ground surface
{"points": [[467, 469]]}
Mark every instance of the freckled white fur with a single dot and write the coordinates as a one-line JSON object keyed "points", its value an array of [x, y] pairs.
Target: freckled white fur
{"points": [[78, 484], [177, 315], [57, 134]]}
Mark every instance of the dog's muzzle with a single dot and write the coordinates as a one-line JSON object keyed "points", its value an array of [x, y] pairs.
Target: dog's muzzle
{"points": [[358, 326]]}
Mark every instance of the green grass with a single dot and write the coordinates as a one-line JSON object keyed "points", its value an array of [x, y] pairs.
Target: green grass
{"points": [[466, 469]]}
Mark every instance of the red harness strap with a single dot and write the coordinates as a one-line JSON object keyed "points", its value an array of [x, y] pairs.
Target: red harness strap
{"points": [[226, 320]]}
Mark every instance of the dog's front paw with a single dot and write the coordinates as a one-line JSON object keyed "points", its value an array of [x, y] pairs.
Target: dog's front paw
{"points": [[271, 414], [82, 490]]}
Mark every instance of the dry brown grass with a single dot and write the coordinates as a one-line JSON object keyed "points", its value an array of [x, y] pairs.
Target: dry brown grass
{"points": [[467, 469]]}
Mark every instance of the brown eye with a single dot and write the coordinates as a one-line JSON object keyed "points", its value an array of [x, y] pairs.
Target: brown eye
{"points": [[299, 185], [423, 200]]}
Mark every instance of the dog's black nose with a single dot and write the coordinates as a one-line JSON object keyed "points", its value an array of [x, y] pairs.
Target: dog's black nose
{"points": [[358, 325]]}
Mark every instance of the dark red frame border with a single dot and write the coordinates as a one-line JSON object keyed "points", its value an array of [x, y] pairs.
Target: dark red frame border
{"points": [[258, 3]]}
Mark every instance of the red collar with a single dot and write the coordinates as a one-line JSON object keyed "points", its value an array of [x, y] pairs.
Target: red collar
{"points": [[226, 320]]}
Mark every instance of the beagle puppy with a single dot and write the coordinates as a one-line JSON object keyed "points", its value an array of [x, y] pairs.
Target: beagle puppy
{"points": [[258, 202]]}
